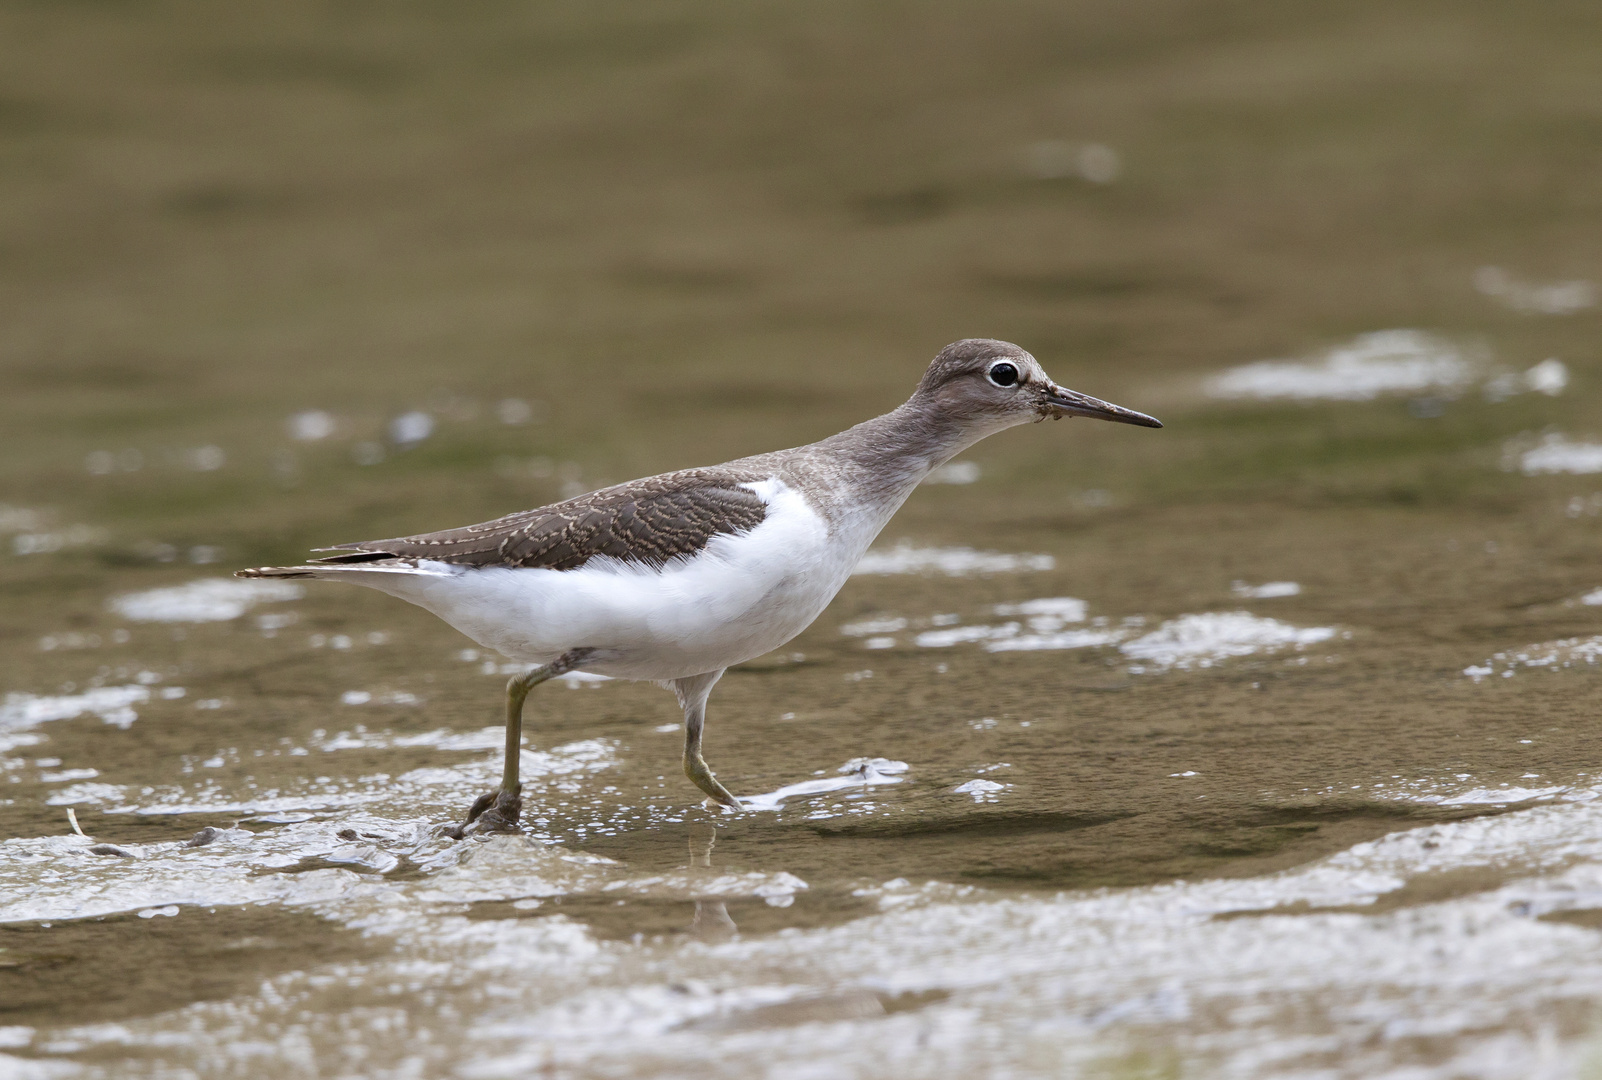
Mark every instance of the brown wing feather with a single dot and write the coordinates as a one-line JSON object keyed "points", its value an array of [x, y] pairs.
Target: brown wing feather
{"points": [[648, 521]]}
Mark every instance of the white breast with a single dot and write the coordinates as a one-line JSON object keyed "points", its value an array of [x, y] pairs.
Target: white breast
{"points": [[737, 598]]}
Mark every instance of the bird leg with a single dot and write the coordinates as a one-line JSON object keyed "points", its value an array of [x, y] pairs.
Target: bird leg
{"points": [[498, 810], [692, 694]]}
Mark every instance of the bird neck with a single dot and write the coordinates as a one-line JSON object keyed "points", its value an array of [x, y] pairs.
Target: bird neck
{"points": [[901, 447]]}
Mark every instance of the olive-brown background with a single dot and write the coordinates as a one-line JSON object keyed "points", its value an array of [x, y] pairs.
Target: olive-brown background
{"points": [[688, 232]]}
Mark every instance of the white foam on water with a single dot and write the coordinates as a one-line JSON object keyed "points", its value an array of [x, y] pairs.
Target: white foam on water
{"points": [[411, 427], [866, 627], [86, 794], [1384, 362], [1045, 616], [1043, 984], [957, 635], [86, 885], [982, 790], [544, 772], [1199, 640], [170, 911], [240, 869], [113, 704], [21, 713], [1050, 641], [63, 776], [1550, 298], [1592, 598], [39, 543], [856, 773], [1027, 986], [389, 697], [1549, 377], [1056, 159], [1051, 987], [206, 600], [904, 558], [1497, 796], [1548, 655], [1269, 591], [439, 739], [311, 425], [490, 738], [1066, 608], [21, 519], [1556, 454], [1205, 639]]}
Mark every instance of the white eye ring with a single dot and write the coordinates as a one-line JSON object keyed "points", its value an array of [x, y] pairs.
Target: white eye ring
{"points": [[1005, 374]]}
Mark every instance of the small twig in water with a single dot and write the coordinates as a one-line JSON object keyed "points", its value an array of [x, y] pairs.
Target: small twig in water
{"points": [[73, 817]]}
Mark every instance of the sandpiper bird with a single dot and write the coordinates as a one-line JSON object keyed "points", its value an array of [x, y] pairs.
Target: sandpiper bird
{"points": [[677, 577]]}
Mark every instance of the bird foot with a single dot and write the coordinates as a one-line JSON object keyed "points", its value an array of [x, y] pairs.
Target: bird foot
{"points": [[493, 812]]}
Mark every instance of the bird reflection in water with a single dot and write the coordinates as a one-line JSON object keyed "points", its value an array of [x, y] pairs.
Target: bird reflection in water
{"points": [[712, 921]]}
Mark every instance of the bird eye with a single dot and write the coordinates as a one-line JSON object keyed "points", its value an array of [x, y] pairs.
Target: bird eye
{"points": [[1003, 374]]}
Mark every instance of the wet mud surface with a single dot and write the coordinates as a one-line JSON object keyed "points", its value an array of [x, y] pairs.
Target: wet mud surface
{"points": [[119, 966], [1260, 746]]}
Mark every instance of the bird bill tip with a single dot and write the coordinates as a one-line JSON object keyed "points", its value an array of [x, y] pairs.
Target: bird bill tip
{"points": [[1065, 402]]}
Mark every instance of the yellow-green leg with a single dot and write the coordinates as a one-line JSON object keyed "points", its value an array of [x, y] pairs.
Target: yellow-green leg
{"points": [[499, 810], [692, 694]]}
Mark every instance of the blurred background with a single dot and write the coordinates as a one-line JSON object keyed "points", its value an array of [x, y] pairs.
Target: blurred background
{"points": [[657, 235], [279, 276]]}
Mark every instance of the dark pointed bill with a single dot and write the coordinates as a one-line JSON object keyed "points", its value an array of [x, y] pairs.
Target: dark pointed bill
{"points": [[1066, 402]]}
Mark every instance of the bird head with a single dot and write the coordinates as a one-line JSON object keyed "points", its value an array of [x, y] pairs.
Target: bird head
{"points": [[992, 384]]}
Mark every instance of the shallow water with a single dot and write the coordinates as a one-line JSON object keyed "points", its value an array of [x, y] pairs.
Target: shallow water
{"points": [[1260, 746]]}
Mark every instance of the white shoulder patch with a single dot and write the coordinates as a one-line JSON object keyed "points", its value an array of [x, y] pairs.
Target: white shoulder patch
{"points": [[766, 490]]}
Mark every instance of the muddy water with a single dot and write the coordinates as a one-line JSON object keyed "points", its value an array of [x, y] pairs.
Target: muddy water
{"points": [[1260, 746]]}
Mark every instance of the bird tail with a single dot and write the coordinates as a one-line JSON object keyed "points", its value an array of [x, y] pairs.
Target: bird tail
{"points": [[362, 567], [281, 572]]}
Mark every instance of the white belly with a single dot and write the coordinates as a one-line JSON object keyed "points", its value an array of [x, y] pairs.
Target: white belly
{"points": [[737, 598]]}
